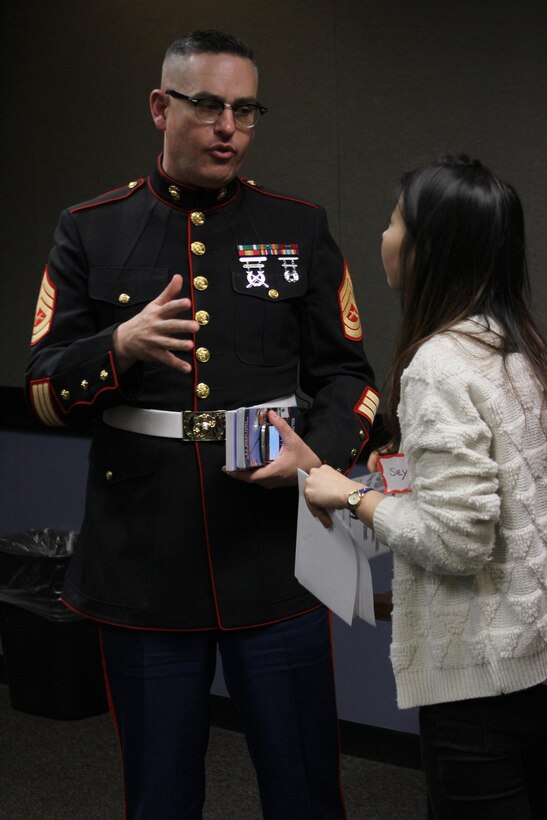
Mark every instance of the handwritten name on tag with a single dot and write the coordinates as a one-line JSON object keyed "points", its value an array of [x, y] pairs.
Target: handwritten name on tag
{"points": [[394, 470]]}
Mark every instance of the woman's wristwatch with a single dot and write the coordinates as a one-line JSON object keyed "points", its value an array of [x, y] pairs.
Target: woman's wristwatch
{"points": [[355, 497]]}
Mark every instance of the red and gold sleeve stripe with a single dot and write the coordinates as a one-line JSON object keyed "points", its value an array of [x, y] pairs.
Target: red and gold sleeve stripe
{"points": [[43, 403], [367, 405]]}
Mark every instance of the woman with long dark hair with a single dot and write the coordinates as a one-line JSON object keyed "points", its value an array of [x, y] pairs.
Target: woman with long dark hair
{"points": [[466, 404]]}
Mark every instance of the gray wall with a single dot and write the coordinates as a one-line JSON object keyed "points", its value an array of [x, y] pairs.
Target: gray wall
{"points": [[358, 91]]}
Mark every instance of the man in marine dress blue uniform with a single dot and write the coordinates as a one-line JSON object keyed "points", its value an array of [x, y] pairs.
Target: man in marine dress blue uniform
{"points": [[163, 304]]}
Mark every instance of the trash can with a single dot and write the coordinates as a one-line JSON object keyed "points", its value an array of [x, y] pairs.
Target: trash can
{"points": [[52, 656]]}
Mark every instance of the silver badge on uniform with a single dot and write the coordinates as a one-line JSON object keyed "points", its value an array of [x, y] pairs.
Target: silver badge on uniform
{"points": [[253, 259], [254, 265], [290, 272]]}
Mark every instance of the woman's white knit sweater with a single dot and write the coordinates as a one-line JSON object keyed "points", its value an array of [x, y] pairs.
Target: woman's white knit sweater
{"points": [[470, 540]]}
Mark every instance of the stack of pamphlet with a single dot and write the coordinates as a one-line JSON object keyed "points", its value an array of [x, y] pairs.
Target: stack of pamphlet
{"points": [[251, 440]]}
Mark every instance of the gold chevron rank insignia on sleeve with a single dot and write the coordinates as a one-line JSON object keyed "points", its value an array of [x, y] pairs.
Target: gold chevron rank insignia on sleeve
{"points": [[368, 404], [45, 308], [43, 404], [351, 321]]}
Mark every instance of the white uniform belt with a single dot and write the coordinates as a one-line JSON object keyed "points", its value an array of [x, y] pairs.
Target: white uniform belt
{"points": [[187, 425]]}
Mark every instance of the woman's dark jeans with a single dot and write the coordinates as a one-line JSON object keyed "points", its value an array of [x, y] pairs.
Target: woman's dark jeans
{"points": [[487, 757]]}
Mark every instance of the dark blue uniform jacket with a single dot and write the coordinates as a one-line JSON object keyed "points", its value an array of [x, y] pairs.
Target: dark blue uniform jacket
{"points": [[168, 540]]}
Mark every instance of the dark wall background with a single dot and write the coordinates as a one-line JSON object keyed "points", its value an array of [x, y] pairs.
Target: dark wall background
{"points": [[358, 91]]}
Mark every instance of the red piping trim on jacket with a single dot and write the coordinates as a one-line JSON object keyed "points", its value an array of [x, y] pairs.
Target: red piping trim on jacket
{"points": [[192, 299], [99, 201], [183, 209], [206, 532], [342, 801], [98, 620], [280, 196], [97, 394], [121, 625], [112, 710], [356, 459], [360, 400], [198, 456], [365, 423]]}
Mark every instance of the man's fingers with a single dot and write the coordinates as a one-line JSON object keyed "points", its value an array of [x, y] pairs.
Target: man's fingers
{"points": [[178, 364], [173, 308], [171, 291], [162, 343], [175, 327], [284, 429]]}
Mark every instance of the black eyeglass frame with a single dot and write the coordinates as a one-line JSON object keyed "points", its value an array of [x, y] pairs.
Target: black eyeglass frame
{"points": [[260, 109]]}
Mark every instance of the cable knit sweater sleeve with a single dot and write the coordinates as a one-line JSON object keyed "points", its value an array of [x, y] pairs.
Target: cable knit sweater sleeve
{"points": [[447, 523]]}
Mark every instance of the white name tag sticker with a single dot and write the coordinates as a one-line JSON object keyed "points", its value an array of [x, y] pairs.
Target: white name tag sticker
{"points": [[394, 471]]}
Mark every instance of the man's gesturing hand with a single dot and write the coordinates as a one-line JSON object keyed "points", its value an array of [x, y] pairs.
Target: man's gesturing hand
{"points": [[155, 333]]}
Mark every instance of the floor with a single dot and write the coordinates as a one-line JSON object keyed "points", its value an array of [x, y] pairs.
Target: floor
{"points": [[69, 770]]}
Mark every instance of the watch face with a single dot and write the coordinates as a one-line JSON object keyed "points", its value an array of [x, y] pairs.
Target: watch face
{"points": [[354, 498]]}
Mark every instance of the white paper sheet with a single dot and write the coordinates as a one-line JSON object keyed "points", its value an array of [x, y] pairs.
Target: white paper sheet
{"points": [[333, 563], [326, 561]]}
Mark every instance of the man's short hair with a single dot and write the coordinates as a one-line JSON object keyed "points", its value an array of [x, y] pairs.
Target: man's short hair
{"points": [[208, 41]]}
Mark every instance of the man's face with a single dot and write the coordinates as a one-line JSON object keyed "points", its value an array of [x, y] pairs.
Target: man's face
{"points": [[198, 153]]}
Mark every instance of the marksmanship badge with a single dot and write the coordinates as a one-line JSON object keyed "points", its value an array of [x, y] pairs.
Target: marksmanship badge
{"points": [[256, 278], [289, 268], [253, 259]]}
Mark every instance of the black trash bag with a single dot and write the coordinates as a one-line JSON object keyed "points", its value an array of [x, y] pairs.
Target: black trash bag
{"points": [[52, 656], [32, 571]]}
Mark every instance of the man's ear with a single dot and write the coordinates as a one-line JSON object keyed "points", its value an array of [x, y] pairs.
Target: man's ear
{"points": [[158, 107]]}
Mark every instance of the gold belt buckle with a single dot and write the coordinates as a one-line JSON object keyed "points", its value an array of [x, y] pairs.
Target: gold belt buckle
{"points": [[203, 426]]}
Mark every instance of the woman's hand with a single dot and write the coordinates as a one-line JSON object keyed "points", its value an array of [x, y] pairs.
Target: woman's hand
{"points": [[372, 463], [327, 489]]}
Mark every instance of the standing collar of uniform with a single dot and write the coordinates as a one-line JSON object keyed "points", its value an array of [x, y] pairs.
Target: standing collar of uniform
{"points": [[188, 197]]}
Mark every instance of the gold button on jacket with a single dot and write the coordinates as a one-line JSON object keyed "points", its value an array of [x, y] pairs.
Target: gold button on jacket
{"points": [[169, 542], [202, 390], [197, 248], [197, 218], [201, 283], [202, 354], [202, 317]]}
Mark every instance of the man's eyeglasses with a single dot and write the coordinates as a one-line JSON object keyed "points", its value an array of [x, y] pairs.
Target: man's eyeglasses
{"points": [[209, 109]]}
